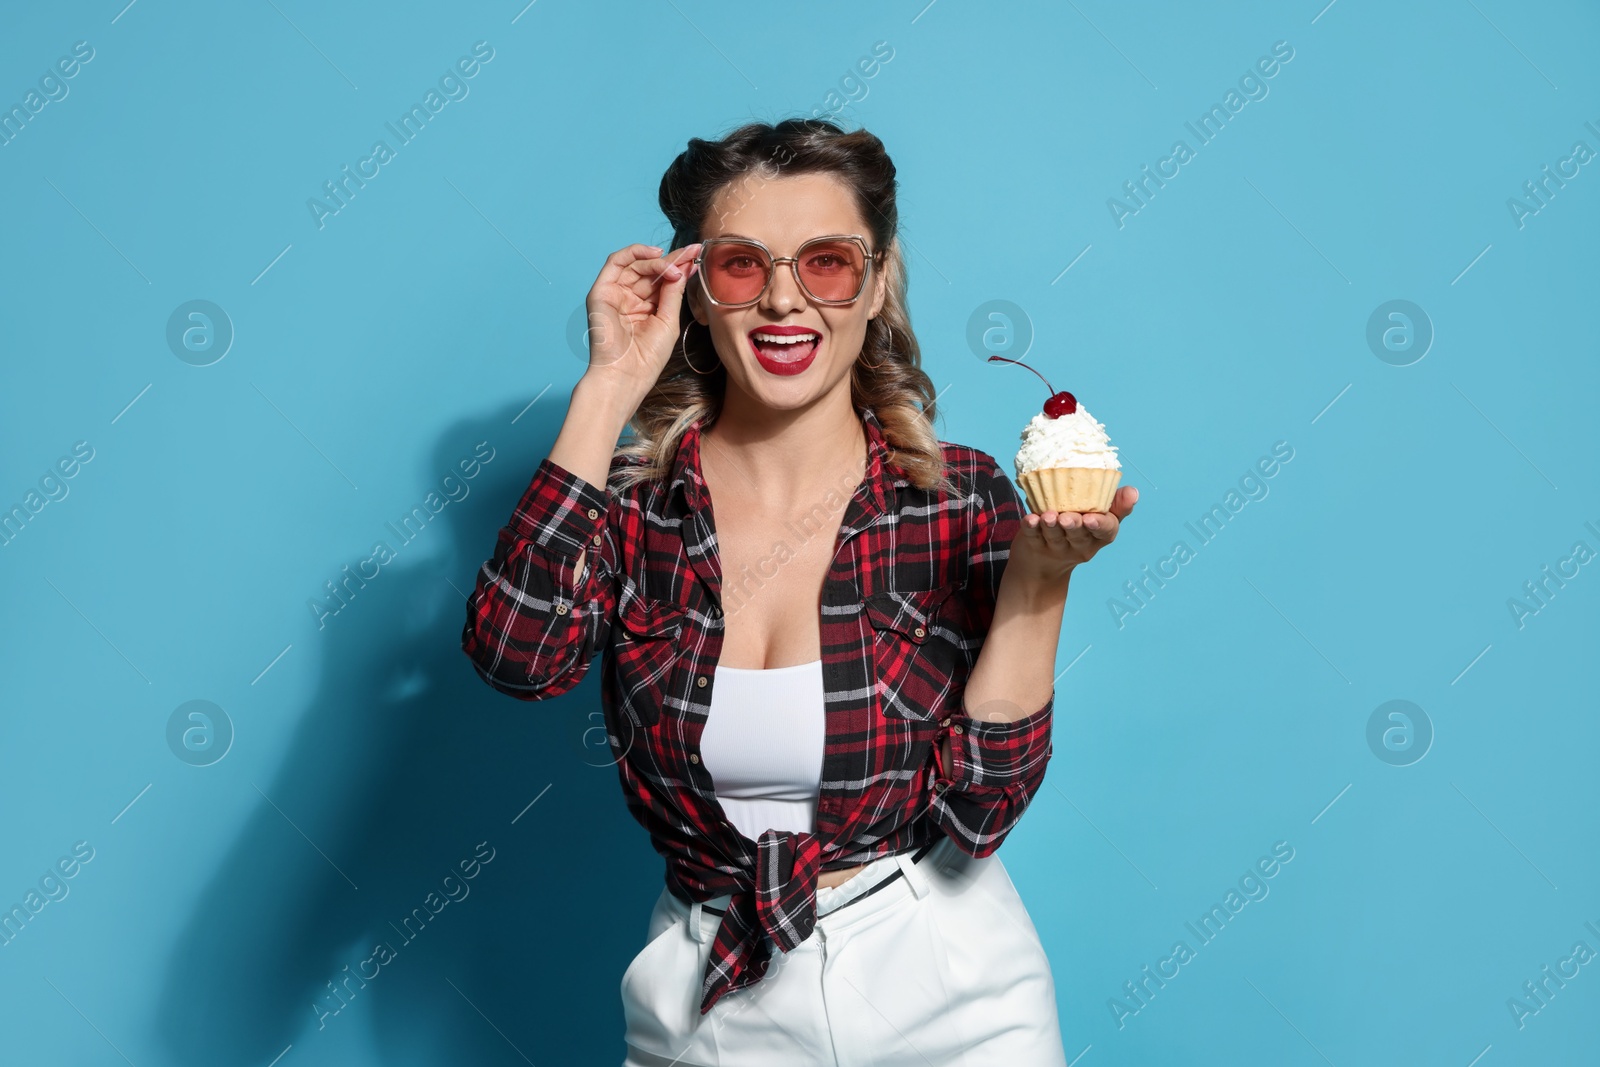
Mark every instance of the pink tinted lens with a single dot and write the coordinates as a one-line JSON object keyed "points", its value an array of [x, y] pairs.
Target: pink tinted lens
{"points": [[736, 273], [832, 270]]}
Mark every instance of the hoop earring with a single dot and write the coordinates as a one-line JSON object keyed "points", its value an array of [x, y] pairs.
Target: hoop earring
{"points": [[882, 359], [684, 344]]}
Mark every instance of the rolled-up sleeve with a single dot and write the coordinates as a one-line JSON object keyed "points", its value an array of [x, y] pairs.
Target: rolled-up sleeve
{"points": [[996, 755], [995, 768], [533, 622]]}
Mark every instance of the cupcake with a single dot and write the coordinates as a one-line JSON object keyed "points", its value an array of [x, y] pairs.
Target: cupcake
{"points": [[1066, 462]]}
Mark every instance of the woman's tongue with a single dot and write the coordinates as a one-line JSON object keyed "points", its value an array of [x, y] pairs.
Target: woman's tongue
{"points": [[791, 352]]}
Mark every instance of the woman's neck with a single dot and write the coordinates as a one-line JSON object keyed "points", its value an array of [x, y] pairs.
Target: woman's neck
{"points": [[785, 455]]}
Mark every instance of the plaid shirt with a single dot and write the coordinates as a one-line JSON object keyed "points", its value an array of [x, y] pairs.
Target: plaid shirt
{"points": [[905, 606]]}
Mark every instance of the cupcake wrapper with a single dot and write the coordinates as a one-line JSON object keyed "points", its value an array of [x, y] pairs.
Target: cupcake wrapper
{"points": [[1070, 488]]}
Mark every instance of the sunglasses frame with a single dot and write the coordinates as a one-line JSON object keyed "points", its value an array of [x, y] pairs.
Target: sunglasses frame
{"points": [[872, 260]]}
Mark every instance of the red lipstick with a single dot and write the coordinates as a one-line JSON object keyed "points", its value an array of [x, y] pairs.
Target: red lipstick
{"points": [[777, 354]]}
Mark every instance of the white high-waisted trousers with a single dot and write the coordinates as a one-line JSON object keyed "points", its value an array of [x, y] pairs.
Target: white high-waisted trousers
{"points": [[942, 966]]}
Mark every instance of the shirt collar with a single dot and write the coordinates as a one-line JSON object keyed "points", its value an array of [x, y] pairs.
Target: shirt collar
{"points": [[881, 473]]}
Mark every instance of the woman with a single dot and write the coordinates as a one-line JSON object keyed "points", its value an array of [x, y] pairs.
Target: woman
{"points": [[829, 696]]}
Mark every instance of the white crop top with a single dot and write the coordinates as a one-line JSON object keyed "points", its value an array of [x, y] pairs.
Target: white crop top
{"points": [[763, 744]]}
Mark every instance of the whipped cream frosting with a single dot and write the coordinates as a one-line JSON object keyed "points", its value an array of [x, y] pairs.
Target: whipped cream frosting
{"points": [[1074, 440]]}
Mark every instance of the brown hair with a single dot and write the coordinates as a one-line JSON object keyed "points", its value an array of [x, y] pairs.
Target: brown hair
{"points": [[889, 381]]}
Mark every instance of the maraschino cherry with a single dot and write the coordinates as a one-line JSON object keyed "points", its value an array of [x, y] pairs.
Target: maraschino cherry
{"points": [[1059, 404]]}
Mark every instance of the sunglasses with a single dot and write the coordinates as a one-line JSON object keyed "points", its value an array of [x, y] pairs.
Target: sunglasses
{"points": [[737, 271]]}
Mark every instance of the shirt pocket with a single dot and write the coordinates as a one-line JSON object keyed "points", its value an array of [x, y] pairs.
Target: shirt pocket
{"points": [[916, 650], [648, 648]]}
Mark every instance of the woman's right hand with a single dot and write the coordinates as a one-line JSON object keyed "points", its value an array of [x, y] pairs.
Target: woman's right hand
{"points": [[633, 315]]}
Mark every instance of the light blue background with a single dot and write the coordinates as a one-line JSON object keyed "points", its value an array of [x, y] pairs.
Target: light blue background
{"points": [[371, 354]]}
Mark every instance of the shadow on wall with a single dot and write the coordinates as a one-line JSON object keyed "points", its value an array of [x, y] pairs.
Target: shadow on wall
{"points": [[407, 771]]}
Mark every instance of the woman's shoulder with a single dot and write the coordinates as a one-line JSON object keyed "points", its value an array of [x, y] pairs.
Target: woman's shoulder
{"points": [[978, 480], [971, 469], [624, 478]]}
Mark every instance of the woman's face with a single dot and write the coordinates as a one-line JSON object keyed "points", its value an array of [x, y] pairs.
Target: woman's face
{"points": [[783, 213]]}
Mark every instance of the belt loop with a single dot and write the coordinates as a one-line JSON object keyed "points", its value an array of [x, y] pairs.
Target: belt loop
{"points": [[914, 875], [696, 922]]}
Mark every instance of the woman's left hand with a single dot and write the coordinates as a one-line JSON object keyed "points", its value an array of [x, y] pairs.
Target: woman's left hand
{"points": [[1047, 547]]}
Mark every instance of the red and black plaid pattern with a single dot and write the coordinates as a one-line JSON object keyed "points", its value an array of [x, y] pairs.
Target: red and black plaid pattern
{"points": [[905, 608]]}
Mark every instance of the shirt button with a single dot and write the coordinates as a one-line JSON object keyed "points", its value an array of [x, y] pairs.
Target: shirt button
{"points": [[597, 539], [561, 609], [956, 729], [945, 721], [920, 632], [940, 786], [593, 514], [702, 682], [694, 757]]}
